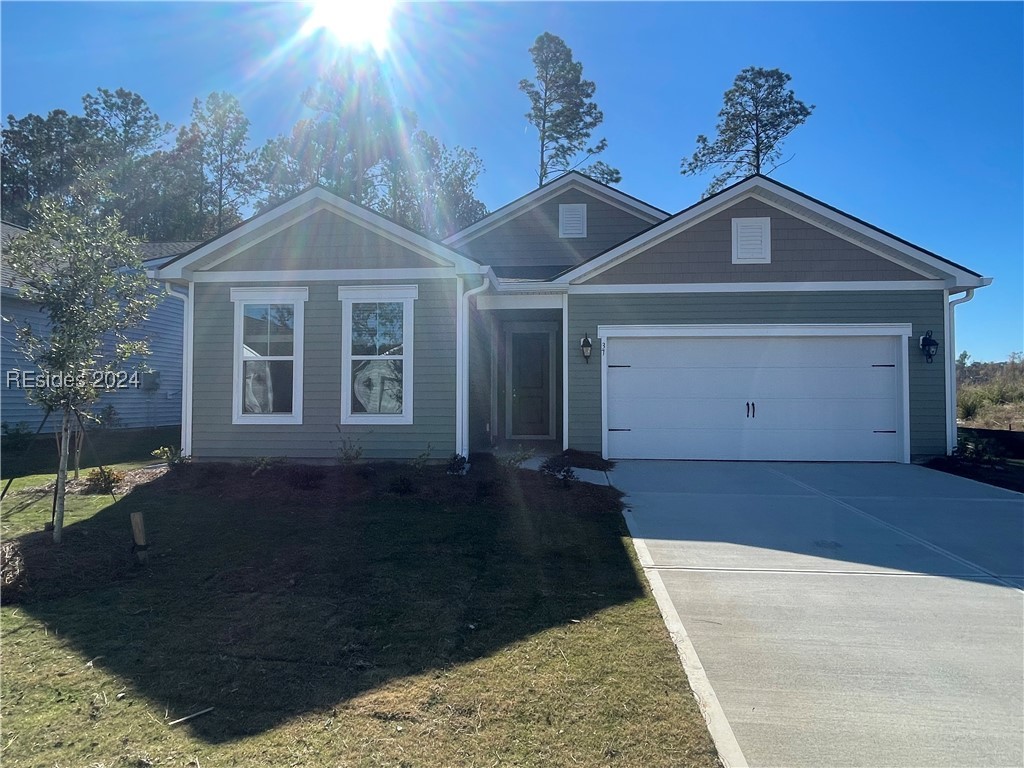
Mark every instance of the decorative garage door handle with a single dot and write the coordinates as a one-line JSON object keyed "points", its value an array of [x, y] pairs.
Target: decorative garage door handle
{"points": [[751, 410], [748, 410]]}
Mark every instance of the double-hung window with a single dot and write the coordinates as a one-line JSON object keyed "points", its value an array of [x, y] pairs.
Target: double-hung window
{"points": [[267, 381], [377, 354]]}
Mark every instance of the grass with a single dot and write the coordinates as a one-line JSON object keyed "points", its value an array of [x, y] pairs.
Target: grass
{"points": [[339, 616]]}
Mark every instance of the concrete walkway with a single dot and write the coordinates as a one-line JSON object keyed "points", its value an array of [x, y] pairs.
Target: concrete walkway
{"points": [[840, 614]]}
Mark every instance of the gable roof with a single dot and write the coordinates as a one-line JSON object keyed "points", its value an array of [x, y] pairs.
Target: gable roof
{"points": [[795, 203], [297, 208], [570, 180]]}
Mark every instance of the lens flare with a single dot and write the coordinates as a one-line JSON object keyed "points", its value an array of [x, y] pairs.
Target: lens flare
{"points": [[356, 23]]}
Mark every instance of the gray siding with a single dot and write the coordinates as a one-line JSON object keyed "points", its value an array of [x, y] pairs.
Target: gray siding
{"points": [[325, 240], [136, 407], [530, 240], [800, 252], [318, 437], [924, 309]]}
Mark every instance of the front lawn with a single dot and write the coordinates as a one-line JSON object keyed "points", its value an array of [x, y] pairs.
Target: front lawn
{"points": [[339, 616]]}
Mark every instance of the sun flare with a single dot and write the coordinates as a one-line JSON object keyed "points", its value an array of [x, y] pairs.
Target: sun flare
{"points": [[357, 23]]}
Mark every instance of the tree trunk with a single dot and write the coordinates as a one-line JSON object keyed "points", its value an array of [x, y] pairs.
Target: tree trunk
{"points": [[62, 475]]}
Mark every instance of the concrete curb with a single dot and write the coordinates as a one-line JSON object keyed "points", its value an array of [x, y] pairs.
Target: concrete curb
{"points": [[722, 735]]}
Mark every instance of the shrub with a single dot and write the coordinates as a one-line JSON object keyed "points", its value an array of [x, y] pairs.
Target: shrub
{"points": [[421, 461], [969, 402], [457, 465], [172, 456], [513, 461], [102, 480], [349, 452], [560, 468]]}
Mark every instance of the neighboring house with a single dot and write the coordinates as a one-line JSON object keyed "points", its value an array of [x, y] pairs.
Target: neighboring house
{"points": [[757, 324], [156, 401]]}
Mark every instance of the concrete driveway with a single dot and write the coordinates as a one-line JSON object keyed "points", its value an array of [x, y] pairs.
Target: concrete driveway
{"points": [[840, 614]]}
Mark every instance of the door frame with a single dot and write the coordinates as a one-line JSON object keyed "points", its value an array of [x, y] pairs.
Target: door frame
{"points": [[899, 332], [510, 329]]}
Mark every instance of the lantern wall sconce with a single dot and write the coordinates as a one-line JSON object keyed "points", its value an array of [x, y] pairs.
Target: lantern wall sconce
{"points": [[929, 346], [586, 347]]}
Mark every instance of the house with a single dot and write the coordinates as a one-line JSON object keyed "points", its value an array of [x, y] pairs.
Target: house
{"points": [[757, 324], [152, 399]]}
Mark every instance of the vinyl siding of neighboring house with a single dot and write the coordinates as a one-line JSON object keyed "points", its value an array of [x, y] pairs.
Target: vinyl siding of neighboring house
{"points": [[152, 405], [528, 245], [320, 434], [800, 252], [924, 309]]}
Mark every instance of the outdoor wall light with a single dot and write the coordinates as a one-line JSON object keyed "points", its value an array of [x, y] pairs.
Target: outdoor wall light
{"points": [[929, 346], [586, 347]]}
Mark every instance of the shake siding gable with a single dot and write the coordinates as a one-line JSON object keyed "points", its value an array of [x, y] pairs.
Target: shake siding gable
{"points": [[531, 239], [799, 252], [318, 436], [325, 240], [923, 309]]}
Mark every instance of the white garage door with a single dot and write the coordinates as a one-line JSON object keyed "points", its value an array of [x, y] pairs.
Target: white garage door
{"points": [[765, 399]]}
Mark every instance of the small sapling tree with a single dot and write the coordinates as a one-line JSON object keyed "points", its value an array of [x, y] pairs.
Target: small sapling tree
{"points": [[82, 270]]}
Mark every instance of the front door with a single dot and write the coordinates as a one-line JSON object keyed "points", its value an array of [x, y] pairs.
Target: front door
{"points": [[528, 395]]}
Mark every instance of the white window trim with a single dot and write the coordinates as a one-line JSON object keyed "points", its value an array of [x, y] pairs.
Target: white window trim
{"points": [[349, 295], [765, 223], [564, 208], [297, 297]]}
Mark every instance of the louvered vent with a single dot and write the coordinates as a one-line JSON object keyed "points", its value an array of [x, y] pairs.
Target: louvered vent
{"points": [[752, 241], [572, 220]]}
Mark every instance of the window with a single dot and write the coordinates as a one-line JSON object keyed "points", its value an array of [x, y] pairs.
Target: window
{"points": [[377, 356], [572, 220], [267, 377], [752, 241]]}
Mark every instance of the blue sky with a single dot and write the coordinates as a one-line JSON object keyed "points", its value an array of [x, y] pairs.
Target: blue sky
{"points": [[918, 128]]}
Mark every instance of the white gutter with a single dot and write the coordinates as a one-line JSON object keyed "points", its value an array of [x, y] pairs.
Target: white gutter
{"points": [[951, 368], [186, 367], [462, 363]]}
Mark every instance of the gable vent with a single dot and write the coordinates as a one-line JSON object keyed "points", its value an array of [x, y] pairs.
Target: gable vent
{"points": [[752, 241], [572, 220]]}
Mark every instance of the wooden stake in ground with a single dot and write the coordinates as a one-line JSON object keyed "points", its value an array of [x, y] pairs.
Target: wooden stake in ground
{"points": [[139, 536]]}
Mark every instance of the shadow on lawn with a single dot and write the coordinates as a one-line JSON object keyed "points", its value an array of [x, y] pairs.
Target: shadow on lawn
{"points": [[267, 601]]}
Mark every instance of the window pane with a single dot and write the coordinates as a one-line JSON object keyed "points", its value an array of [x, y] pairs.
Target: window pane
{"points": [[267, 386], [377, 386], [377, 328], [282, 329], [254, 334], [268, 330]]}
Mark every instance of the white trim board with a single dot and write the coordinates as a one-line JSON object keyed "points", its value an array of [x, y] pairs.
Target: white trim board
{"points": [[765, 287], [756, 329], [521, 301], [322, 275]]}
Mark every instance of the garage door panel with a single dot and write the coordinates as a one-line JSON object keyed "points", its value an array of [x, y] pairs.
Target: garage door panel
{"points": [[745, 381], [728, 445], [716, 352], [815, 398]]}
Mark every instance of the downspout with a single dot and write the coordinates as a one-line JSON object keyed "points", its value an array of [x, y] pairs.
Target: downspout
{"points": [[951, 370], [462, 442], [186, 367]]}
